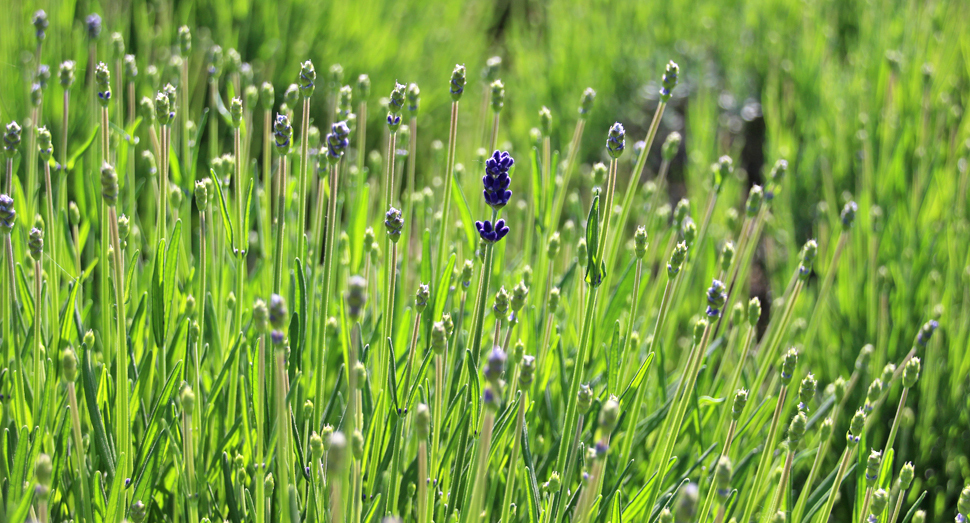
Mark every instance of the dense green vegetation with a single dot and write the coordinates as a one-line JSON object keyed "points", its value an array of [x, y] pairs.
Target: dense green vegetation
{"points": [[244, 283]]}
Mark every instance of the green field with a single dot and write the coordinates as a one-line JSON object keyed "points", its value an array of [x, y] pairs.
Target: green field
{"points": [[260, 262]]}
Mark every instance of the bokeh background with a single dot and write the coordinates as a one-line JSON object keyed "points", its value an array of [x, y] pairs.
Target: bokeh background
{"points": [[866, 100]]}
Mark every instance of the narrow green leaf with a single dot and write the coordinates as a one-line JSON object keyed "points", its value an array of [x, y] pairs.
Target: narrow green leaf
{"points": [[224, 211], [83, 147], [613, 362], [157, 293], [466, 216], [169, 280]]}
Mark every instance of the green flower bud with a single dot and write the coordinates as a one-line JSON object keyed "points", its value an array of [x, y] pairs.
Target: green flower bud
{"points": [[640, 242], [788, 365], [796, 430], [88, 339], [887, 373], [267, 96], [906, 475], [527, 371], [117, 45], [825, 429], [806, 391], [422, 421], [11, 139], [553, 484], [732, 219], [439, 338], [584, 399], [138, 512], [44, 146], [677, 260], [187, 400], [552, 247], [43, 469], [872, 467], [872, 395], [911, 372], [722, 476], [363, 86], [109, 185], [754, 311], [609, 414], [671, 146], [185, 40], [498, 96], [501, 306], [236, 111], [699, 329], [880, 498], [779, 517], [553, 300], [360, 371], [666, 516], [316, 447], [740, 400], [65, 74], [421, 298], [519, 294], [858, 422], [737, 314], [755, 198], [357, 445], [919, 517], [69, 365]]}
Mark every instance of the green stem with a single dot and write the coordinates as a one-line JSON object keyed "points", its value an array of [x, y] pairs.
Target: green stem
{"points": [[823, 291], [513, 457], [121, 395], [332, 223], [567, 173], [280, 225], [446, 202], [304, 153], [641, 391], [767, 451], [78, 453], [38, 363]]}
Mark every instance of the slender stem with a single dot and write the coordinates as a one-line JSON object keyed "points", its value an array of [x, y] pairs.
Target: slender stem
{"points": [[304, 165], [123, 424], [267, 194], [767, 451], [423, 480], [282, 434], [513, 457], [823, 291], [189, 460], [567, 172], [280, 225], [641, 391], [38, 363], [448, 181], [259, 402], [64, 123], [79, 453], [479, 484], [896, 418], [626, 348], [332, 223], [865, 505], [898, 507]]}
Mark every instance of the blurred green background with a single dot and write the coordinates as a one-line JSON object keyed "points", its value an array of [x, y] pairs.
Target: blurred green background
{"points": [[866, 100]]}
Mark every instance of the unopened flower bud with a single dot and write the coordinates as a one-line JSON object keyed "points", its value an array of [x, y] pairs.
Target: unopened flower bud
{"points": [[911, 372]]}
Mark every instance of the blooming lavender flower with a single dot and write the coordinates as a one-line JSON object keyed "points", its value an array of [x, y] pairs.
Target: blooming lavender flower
{"points": [[282, 134], [393, 223], [93, 25], [8, 215], [586, 101], [716, 297], [495, 364], [497, 180], [492, 233], [337, 142], [925, 332], [307, 79], [43, 75], [11, 139], [102, 77], [669, 80], [277, 311], [848, 215], [457, 83], [616, 141], [40, 24], [35, 244]]}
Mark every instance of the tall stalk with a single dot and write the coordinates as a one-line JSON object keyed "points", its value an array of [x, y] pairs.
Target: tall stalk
{"points": [[615, 144], [457, 88]]}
